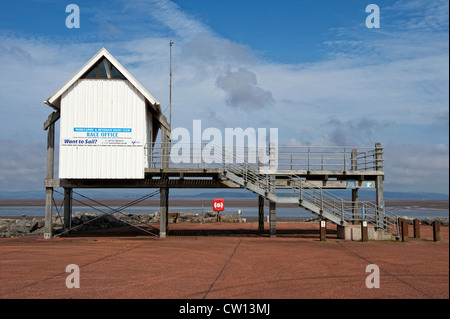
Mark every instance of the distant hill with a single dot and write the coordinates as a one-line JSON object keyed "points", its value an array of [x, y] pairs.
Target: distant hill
{"points": [[400, 195]]}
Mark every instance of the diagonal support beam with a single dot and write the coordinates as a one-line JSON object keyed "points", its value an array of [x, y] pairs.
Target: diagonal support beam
{"points": [[52, 118]]}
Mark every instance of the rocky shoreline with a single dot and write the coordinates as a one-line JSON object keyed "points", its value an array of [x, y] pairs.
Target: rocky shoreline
{"points": [[34, 226], [427, 221]]}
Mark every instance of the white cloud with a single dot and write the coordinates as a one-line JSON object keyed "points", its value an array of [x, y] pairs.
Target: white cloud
{"points": [[398, 75], [167, 13], [242, 90], [22, 165], [418, 167]]}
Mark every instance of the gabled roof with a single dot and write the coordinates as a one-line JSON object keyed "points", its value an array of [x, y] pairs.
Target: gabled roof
{"points": [[55, 100]]}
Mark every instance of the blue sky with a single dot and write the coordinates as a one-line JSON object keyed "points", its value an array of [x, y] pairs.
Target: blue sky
{"points": [[313, 70]]}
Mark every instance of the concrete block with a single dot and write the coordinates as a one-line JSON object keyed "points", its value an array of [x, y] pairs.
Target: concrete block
{"points": [[353, 232]]}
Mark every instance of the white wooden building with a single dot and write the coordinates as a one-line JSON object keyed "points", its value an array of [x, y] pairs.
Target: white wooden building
{"points": [[106, 120]]}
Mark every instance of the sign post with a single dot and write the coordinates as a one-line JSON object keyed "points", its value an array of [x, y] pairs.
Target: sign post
{"points": [[323, 230], [364, 231], [436, 230], [218, 206]]}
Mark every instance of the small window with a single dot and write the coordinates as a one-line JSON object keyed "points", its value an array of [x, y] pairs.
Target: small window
{"points": [[103, 69], [116, 74], [91, 74]]}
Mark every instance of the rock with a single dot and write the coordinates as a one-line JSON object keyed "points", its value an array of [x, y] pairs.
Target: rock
{"points": [[211, 213], [237, 215], [443, 221], [408, 219], [4, 228], [111, 221], [200, 220], [85, 218], [34, 225], [226, 219], [188, 215], [13, 227], [144, 218], [76, 220], [18, 230]]}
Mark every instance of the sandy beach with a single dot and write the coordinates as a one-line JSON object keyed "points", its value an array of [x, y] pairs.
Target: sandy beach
{"points": [[226, 261]]}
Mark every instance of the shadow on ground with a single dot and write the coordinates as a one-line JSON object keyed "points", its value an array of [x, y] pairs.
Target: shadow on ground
{"points": [[240, 230]]}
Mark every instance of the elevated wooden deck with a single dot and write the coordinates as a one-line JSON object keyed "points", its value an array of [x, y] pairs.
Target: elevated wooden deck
{"points": [[214, 178], [293, 176]]}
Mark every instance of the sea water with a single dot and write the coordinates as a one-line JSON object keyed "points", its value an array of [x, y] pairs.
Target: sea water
{"points": [[282, 212]]}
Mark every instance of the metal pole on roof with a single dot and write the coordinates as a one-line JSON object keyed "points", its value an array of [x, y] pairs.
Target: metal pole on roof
{"points": [[170, 87]]}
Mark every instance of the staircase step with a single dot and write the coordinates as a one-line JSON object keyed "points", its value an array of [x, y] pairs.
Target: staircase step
{"points": [[237, 178], [324, 214]]}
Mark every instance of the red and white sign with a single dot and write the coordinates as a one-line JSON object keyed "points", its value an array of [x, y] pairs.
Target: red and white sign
{"points": [[218, 205]]}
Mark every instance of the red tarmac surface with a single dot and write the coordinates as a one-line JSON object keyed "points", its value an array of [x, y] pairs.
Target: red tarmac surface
{"points": [[223, 261]]}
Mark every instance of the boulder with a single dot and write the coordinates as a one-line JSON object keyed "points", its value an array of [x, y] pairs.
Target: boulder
{"points": [[443, 221], [408, 219], [237, 215], [211, 213], [3, 228], [13, 227], [226, 218], [34, 225]]}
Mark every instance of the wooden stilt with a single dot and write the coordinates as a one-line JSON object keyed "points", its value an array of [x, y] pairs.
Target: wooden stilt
{"points": [[163, 211], [273, 219], [379, 181], [67, 208], [48, 227], [260, 214]]}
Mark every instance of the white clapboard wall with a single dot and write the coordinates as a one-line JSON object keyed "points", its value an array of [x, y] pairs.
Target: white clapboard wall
{"points": [[104, 127]]}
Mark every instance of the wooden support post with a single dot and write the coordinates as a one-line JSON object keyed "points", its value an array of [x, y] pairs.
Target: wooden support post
{"points": [[273, 157], [436, 230], [167, 211], [354, 162], [404, 230], [165, 147], [364, 231], [48, 226], [67, 208], [273, 219], [260, 214], [163, 211], [355, 206], [164, 191], [379, 182], [416, 228], [323, 230]]}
